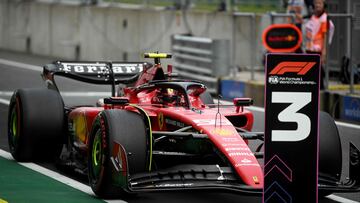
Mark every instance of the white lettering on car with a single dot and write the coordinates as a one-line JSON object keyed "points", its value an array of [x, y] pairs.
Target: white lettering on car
{"points": [[79, 69]]}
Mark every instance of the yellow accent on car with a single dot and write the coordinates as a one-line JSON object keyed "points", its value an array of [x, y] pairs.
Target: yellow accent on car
{"points": [[157, 55], [222, 132], [80, 127], [3, 201]]}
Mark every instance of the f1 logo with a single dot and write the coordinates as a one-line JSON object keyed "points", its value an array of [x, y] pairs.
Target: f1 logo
{"points": [[301, 68]]}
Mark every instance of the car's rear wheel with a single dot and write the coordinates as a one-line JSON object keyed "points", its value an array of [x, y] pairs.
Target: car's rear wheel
{"points": [[330, 153], [35, 124], [116, 135]]}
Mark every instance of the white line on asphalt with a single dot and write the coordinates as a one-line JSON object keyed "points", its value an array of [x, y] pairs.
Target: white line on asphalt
{"points": [[340, 199], [20, 65], [57, 176], [4, 101]]}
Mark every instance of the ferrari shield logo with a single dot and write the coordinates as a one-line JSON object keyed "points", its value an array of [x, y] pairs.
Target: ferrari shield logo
{"points": [[161, 121]]}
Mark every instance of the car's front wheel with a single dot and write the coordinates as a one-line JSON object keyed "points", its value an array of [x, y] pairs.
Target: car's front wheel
{"points": [[117, 148]]}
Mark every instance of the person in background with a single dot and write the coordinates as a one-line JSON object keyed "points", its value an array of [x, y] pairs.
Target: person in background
{"points": [[296, 7], [310, 6], [316, 32]]}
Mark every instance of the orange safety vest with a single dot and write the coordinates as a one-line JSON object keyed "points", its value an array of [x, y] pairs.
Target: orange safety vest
{"points": [[316, 29]]}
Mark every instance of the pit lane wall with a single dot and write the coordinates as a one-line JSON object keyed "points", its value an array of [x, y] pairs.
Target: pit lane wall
{"points": [[334, 101], [76, 31]]}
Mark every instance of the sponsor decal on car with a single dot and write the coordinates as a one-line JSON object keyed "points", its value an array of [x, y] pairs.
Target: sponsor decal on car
{"points": [[230, 139], [245, 160], [202, 122], [237, 149], [232, 154], [174, 123], [246, 164], [233, 144], [99, 68], [115, 158], [175, 185], [222, 132], [103, 132]]}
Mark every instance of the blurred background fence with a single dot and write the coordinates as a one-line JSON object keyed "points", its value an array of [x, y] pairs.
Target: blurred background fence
{"points": [[123, 29]]}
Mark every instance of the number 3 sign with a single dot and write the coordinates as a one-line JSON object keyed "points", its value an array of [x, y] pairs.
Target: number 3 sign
{"points": [[291, 128]]}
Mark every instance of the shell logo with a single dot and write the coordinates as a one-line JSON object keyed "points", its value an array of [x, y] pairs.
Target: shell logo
{"points": [[222, 132]]}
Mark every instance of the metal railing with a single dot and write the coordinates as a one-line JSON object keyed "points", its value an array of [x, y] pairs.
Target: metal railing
{"points": [[252, 17], [201, 59], [350, 26], [283, 16]]}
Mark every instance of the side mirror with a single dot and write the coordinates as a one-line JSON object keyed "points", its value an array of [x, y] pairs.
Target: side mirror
{"points": [[241, 102]]}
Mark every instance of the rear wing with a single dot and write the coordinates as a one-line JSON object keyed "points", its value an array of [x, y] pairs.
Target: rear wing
{"points": [[110, 73]]}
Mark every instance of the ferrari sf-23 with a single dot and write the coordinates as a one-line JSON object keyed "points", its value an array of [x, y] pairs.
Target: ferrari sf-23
{"points": [[156, 132]]}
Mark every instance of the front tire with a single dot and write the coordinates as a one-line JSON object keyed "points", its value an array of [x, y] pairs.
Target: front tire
{"points": [[113, 129]]}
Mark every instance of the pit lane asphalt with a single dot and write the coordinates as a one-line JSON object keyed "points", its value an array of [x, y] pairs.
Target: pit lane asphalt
{"points": [[12, 78]]}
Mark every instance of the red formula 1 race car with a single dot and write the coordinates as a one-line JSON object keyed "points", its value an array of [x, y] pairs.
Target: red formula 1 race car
{"points": [[157, 133]]}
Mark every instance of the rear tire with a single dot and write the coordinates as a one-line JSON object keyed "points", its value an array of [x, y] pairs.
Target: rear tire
{"points": [[35, 124], [127, 129]]}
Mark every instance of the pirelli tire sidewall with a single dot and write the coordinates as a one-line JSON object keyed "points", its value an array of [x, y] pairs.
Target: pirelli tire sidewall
{"points": [[39, 124], [128, 130]]}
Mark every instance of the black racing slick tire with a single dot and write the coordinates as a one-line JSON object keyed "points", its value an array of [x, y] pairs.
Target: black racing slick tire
{"points": [[113, 129], [330, 152], [35, 124]]}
